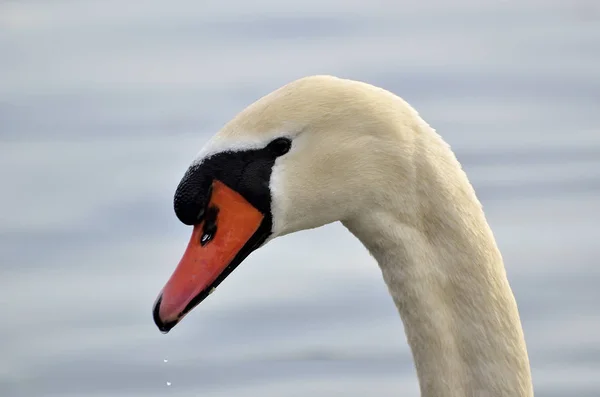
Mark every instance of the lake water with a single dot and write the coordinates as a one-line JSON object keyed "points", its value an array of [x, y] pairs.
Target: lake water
{"points": [[103, 104]]}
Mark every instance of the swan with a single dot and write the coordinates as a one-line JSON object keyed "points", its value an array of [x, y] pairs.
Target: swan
{"points": [[322, 149]]}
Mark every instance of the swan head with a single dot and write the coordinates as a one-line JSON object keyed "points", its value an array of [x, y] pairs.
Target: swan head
{"points": [[308, 154]]}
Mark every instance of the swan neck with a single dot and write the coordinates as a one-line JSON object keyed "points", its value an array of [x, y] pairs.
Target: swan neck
{"points": [[446, 276]]}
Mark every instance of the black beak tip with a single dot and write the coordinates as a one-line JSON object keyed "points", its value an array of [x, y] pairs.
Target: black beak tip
{"points": [[162, 326]]}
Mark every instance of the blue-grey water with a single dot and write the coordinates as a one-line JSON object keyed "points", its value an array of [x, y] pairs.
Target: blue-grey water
{"points": [[103, 104]]}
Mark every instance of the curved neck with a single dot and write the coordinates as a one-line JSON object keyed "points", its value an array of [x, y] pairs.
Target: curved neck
{"points": [[447, 279]]}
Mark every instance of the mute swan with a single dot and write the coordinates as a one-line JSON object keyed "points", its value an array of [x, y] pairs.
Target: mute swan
{"points": [[324, 149]]}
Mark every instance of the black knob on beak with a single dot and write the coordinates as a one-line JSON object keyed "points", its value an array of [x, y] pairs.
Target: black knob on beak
{"points": [[192, 196]]}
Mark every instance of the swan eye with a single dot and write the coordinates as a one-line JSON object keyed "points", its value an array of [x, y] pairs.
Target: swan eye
{"points": [[280, 146]]}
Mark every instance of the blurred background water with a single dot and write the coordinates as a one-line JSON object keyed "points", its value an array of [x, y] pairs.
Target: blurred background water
{"points": [[103, 104]]}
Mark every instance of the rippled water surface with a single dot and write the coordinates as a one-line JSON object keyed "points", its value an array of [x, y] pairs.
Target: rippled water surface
{"points": [[103, 104]]}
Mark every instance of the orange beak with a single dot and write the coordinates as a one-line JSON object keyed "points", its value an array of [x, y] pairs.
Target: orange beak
{"points": [[228, 233]]}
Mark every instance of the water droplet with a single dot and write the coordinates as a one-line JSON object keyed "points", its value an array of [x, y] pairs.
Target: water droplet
{"points": [[165, 360], [168, 383]]}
